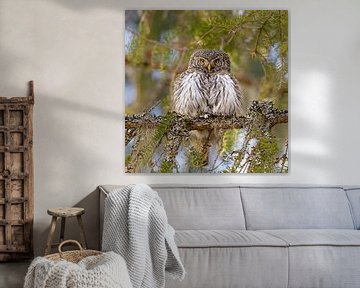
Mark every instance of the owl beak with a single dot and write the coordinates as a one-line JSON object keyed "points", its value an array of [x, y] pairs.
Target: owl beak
{"points": [[209, 67]]}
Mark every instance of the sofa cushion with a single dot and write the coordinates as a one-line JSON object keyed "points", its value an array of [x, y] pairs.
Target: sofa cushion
{"points": [[296, 208], [206, 208], [220, 267], [354, 198], [226, 238], [191, 207], [324, 266], [315, 237], [322, 258]]}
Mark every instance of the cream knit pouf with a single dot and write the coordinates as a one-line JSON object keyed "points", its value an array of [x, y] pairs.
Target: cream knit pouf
{"points": [[107, 270]]}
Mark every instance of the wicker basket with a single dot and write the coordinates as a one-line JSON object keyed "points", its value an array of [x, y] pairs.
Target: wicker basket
{"points": [[72, 256]]}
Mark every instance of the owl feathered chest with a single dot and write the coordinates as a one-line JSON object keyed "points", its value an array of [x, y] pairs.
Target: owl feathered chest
{"points": [[197, 93]]}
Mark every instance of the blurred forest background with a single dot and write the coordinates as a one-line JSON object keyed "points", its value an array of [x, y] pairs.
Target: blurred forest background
{"points": [[158, 44]]}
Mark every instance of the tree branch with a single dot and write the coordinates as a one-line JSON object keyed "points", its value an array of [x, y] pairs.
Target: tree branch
{"points": [[270, 117], [155, 42]]}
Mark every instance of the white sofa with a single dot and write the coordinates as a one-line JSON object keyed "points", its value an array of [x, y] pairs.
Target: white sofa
{"points": [[264, 236]]}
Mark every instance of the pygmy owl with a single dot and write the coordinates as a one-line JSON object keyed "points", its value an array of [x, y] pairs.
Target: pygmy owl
{"points": [[207, 86]]}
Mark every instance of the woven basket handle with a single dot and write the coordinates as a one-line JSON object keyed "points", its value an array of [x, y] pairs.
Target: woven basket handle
{"points": [[69, 241]]}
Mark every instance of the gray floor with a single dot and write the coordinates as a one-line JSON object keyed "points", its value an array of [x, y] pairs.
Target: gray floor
{"points": [[12, 274]]}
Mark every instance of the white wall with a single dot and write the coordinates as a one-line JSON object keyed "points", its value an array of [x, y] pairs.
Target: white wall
{"points": [[73, 50]]}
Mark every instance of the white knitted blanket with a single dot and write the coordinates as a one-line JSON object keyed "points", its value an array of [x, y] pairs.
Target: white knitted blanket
{"points": [[103, 271], [136, 227]]}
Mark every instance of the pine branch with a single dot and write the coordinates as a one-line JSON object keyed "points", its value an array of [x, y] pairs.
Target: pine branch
{"points": [[204, 122], [270, 116], [155, 42], [262, 27], [147, 64]]}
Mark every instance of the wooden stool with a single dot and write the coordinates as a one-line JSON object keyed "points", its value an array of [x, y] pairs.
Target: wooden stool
{"points": [[64, 213]]}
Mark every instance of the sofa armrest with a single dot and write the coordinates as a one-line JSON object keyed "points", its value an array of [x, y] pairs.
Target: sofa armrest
{"points": [[103, 195]]}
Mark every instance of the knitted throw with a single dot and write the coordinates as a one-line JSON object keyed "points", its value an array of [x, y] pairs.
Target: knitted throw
{"points": [[136, 227], [103, 271]]}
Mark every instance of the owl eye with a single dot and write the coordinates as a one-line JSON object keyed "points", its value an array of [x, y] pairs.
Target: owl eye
{"points": [[217, 62], [201, 62]]}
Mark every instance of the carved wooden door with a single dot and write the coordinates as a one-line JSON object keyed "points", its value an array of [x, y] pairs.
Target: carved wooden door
{"points": [[16, 177]]}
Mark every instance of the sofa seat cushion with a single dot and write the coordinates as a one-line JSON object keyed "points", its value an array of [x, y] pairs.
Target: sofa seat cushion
{"points": [[317, 237], [226, 238]]}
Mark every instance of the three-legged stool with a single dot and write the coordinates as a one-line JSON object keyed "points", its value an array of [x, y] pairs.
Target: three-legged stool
{"points": [[64, 213]]}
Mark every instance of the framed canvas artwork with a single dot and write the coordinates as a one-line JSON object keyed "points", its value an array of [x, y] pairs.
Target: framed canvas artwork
{"points": [[206, 91]]}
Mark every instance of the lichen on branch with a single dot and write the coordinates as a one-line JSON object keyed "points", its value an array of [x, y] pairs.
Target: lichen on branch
{"points": [[271, 116]]}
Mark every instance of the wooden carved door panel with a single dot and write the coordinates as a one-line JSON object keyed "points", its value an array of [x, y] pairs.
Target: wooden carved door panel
{"points": [[16, 178]]}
